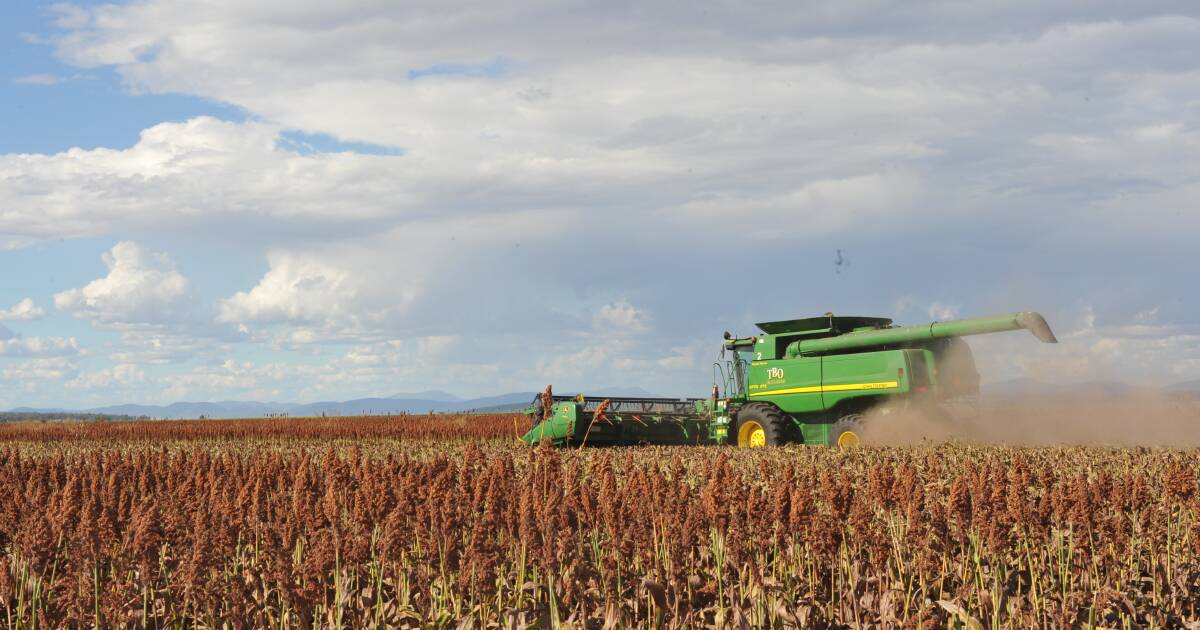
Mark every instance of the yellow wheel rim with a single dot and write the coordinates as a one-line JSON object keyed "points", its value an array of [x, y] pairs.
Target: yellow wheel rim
{"points": [[847, 439], [751, 435]]}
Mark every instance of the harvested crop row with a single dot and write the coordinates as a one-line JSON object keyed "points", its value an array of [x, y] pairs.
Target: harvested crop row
{"points": [[687, 537]]}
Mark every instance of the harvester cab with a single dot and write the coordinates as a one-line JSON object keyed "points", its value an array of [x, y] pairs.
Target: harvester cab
{"points": [[809, 381]]}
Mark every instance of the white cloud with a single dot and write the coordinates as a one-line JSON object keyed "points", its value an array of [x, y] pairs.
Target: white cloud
{"points": [[808, 131], [372, 369], [402, 282], [943, 312], [622, 318], [231, 376], [25, 310], [17, 346], [873, 202], [50, 369], [152, 345], [123, 375], [1159, 133], [37, 79], [680, 358], [1148, 316], [151, 304], [183, 177], [572, 364], [296, 289], [615, 344], [141, 287]]}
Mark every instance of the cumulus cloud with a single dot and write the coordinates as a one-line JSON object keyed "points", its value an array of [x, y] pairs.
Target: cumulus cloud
{"points": [[296, 289], [587, 364], [615, 344], [621, 317], [122, 375], [185, 177], [679, 358], [17, 346], [942, 312], [37, 79], [872, 202], [155, 346], [159, 316], [368, 369], [574, 364], [141, 287], [738, 123], [25, 310], [426, 278], [230, 376], [44, 369]]}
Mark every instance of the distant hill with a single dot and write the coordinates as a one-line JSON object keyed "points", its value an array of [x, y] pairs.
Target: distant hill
{"points": [[37, 410]]}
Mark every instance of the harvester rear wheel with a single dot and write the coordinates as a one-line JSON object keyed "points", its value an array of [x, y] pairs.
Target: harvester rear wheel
{"points": [[847, 431], [761, 425]]}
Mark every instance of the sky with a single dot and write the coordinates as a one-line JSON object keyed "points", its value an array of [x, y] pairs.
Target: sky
{"points": [[301, 201]]}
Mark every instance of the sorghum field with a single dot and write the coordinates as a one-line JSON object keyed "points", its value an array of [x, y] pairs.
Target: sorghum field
{"points": [[447, 521]]}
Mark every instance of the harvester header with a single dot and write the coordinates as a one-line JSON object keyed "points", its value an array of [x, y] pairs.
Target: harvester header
{"points": [[805, 380]]}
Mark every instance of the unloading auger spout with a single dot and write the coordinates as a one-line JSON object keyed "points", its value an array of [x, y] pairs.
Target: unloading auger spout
{"points": [[868, 337]]}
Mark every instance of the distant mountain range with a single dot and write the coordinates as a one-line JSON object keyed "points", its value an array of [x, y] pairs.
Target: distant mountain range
{"points": [[419, 402]]}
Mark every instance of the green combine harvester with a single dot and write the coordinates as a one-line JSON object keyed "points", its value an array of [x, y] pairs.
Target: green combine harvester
{"points": [[807, 381]]}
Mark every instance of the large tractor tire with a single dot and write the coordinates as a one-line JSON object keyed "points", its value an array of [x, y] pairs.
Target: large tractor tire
{"points": [[847, 431], [761, 425]]}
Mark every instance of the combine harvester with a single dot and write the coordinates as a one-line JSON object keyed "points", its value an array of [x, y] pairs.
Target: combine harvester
{"points": [[807, 381]]}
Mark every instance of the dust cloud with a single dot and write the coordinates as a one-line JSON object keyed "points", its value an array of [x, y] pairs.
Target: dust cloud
{"points": [[1137, 418]]}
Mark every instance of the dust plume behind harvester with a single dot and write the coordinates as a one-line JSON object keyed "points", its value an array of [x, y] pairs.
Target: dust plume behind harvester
{"points": [[807, 381]]}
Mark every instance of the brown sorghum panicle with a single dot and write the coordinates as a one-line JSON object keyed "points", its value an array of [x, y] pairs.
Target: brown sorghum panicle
{"points": [[394, 530]]}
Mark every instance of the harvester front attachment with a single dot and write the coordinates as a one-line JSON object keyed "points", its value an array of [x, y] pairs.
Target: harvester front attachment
{"points": [[610, 421]]}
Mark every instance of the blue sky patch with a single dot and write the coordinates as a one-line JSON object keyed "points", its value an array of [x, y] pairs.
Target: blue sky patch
{"points": [[48, 107], [494, 68], [311, 143]]}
